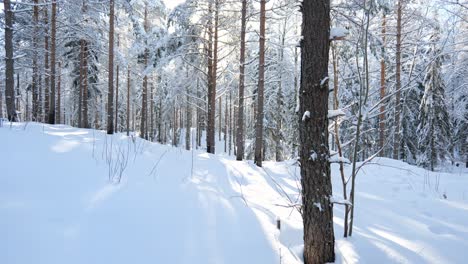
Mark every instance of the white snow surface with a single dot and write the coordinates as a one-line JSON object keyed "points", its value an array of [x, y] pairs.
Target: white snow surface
{"points": [[58, 206]]}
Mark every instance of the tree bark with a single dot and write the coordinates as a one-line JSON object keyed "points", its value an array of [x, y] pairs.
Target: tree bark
{"points": [[128, 102], [313, 133], [35, 79], [85, 86], [382, 89], [212, 53], [396, 140], [110, 96], [240, 113], [116, 110], [59, 94], [260, 91], [52, 62], [46, 66], [144, 96], [9, 63]]}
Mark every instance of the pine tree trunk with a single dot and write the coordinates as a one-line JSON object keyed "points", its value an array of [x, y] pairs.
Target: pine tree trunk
{"points": [[212, 53], [85, 86], [396, 140], [52, 63], [260, 91], [382, 90], [144, 96], [116, 106], [313, 133], [188, 119], [59, 93], [46, 66], [220, 118], [9, 63], [128, 102], [35, 79], [240, 112], [80, 96], [110, 96]]}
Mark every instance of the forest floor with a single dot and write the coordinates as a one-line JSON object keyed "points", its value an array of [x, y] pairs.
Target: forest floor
{"points": [[70, 195]]}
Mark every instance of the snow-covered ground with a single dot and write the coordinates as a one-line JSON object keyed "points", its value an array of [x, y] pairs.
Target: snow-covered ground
{"points": [[60, 203]]}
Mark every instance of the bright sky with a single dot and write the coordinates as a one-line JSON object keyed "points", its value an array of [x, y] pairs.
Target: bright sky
{"points": [[172, 3]]}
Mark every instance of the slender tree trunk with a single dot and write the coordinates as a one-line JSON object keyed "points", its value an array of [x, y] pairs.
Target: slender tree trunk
{"points": [[230, 122], [35, 90], [9, 63], [110, 96], [212, 72], [396, 140], [260, 91], [144, 96], [128, 102], [52, 62], [80, 96], [116, 110], [317, 211], [188, 122], [336, 105], [59, 93], [46, 66], [220, 118], [240, 112], [226, 118], [382, 89], [85, 86]]}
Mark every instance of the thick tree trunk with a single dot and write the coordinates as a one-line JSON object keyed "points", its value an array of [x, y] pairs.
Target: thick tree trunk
{"points": [[110, 96], [240, 112], [396, 140], [220, 118], [52, 62], [9, 63], [116, 106], [260, 91], [313, 133]]}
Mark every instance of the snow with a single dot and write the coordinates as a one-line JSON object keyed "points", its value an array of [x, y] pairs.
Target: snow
{"points": [[323, 81], [335, 113], [57, 205], [305, 115], [338, 33], [337, 159]]}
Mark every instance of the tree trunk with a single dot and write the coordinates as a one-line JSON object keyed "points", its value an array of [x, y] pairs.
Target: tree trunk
{"points": [[188, 120], [80, 96], [144, 96], [313, 133], [46, 66], [52, 62], [212, 53], [59, 93], [240, 112], [128, 102], [396, 140], [220, 118], [110, 96], [85, 86], [9, 63], [382, 90], [35, 81], [260, 91]]}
